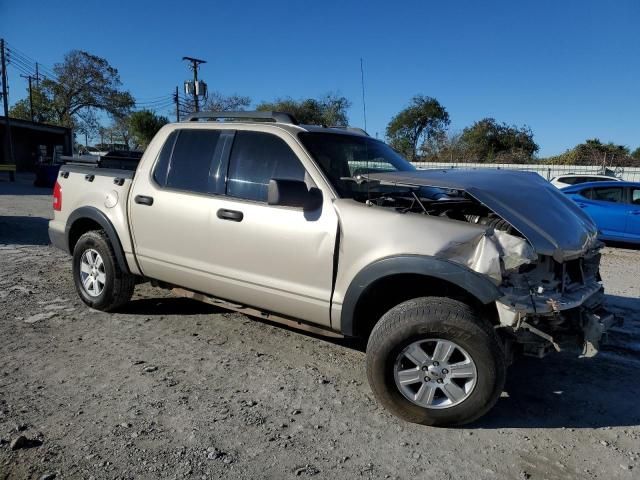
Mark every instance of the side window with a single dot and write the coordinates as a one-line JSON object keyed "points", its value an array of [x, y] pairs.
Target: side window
{"points": [[608, 194], [191, 162], [256, 158], [635, 196], [568, 180], [587, 193], [162, 165]]}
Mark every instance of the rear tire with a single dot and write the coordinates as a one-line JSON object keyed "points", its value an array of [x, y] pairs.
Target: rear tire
{"points": [[98, 278], [405, 376]]}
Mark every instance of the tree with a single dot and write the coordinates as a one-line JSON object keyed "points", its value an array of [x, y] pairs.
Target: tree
{"points": [[330, 109], [84, 81], [487, 140], [636, 153], [42, 107], [594, 152], [143, 125], [87, 125], [217, 102], [424, 122]]}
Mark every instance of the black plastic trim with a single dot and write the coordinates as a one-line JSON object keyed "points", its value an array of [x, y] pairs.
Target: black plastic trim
{"points": [[476, 284], [101, 219]]}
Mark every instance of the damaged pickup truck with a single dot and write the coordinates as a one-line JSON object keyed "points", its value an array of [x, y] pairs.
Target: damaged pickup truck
{"points": [[448, 275]]}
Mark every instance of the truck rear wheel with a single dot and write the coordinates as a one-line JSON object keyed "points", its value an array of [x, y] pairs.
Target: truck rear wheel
{"points": [[98, 278], [432, 361]]}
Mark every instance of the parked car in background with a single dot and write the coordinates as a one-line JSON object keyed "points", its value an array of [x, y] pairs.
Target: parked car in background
{"points": [[613, 205], [562, 181]]}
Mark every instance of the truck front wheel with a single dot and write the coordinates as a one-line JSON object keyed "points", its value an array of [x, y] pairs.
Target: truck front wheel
{"points": [[432, 361], [98, 278]]}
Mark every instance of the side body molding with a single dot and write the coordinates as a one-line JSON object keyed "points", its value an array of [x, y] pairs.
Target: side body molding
{"points": [[476, 284], [100, 218]]}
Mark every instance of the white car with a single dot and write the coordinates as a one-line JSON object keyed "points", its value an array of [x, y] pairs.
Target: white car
{"points": [[562, 181]]}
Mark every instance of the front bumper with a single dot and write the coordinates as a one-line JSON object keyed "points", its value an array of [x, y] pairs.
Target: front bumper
{"points": [[576, 321]]}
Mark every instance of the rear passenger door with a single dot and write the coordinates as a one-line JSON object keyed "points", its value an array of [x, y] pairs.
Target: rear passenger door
{"points": [[171, 207], [633, 220]]}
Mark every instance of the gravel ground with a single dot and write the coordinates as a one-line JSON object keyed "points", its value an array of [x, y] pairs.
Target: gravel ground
{"points": [[171, 388]]}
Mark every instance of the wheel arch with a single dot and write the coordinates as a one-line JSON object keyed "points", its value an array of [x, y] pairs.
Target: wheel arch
{"points": [[389, 281], [85, 219]]}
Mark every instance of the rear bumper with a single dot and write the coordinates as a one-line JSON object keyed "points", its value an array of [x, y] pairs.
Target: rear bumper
{"points": [[58, 238]]}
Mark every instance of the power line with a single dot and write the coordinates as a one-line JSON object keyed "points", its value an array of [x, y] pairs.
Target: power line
{"points": [[32, 60]]}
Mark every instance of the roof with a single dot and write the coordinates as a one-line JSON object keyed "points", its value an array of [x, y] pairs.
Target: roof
{"points": [[581, 186], [280, 119], [599, 175], [43, 127]]}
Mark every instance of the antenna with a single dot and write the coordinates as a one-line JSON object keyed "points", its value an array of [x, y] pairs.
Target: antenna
{"points": [[364, 105]]}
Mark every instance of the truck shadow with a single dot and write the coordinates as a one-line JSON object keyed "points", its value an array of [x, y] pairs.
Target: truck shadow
{"points": [[564, 391], [169, 306], [24, 230]]}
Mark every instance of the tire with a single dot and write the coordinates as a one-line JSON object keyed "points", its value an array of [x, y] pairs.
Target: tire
{"points": [[447, 325], [111, 286]]}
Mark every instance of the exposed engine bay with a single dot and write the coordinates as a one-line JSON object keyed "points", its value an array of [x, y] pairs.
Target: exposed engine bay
{"points": [[452, 204]]}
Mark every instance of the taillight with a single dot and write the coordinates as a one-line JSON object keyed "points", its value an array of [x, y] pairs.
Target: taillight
{"points": [[57, 197]]}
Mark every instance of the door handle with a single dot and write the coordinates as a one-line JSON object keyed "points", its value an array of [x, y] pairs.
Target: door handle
{"points": [[582, 205], [635, 212], [143, 200], [233, 215]]}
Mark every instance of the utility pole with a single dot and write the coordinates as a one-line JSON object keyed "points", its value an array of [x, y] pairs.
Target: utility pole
{"points": [[364, 105], [176, 97], [8, 140], [29, 77], [195, 63], [37, 76]]}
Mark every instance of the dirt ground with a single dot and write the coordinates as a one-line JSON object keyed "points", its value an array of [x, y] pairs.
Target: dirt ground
{"points": [[171, 388]]}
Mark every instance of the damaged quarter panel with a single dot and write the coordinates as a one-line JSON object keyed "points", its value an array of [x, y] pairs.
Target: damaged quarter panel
{"points": [[462, 253]]}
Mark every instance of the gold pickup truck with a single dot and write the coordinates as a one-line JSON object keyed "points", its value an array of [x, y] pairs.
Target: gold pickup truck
{"points": [[448, 274]]}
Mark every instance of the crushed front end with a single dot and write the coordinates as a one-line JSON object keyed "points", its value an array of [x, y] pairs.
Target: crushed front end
{"points": [[552, 306]]}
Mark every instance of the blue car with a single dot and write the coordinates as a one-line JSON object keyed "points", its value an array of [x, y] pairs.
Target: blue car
{"points": [[614, 206]]}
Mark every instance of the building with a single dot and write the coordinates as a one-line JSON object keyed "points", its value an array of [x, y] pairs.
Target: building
{"points": [[34, 143]]}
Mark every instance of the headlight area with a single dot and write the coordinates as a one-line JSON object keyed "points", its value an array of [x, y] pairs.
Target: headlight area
{"points": [[550, 306]]}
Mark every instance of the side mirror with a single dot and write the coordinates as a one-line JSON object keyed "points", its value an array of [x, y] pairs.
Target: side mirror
{"points": [[293, 193]]}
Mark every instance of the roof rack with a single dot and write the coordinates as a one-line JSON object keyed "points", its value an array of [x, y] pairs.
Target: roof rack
{"points": [[277, 117]]}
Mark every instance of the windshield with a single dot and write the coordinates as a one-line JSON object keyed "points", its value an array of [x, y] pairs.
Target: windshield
{"points": [[344, 157]]}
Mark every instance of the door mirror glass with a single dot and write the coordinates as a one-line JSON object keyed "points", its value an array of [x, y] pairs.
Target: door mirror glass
{"points": [[293, 193]]}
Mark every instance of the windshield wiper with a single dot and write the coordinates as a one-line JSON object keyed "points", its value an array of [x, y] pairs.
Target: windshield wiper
{"points": [[360, 179]]}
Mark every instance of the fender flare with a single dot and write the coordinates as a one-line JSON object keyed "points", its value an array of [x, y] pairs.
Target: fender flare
{"points": [[476, 284], [101, 219]]}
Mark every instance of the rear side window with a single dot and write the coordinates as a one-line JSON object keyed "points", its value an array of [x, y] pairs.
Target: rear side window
{"points": [[607, 194], [635, 196], [190, 161], [256, 158], [567, 180]]}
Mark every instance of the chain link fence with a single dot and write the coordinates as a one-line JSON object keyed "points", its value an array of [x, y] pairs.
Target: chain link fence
{"points": [[547, 171]]}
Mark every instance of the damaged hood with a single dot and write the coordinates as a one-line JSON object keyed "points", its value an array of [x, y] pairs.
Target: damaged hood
{"points": [[553, 224]]}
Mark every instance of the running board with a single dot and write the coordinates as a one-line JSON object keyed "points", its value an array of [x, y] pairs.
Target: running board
{"points": [[252, 312]]}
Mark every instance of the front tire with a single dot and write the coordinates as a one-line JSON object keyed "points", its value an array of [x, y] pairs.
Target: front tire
{"points": [[432, 361], [98, 278]]}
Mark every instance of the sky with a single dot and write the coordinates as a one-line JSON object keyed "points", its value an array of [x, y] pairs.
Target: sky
{"points": [[569, 69]]}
